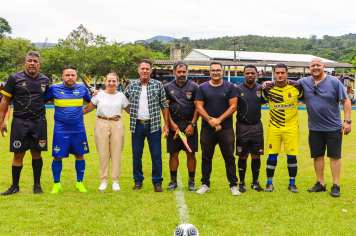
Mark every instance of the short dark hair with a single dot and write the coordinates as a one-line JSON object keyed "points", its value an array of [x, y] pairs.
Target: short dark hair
{"points": [[179, 63], [251, 66], [145, 61], [69, 67], [216, 63], [281, 65], [33, 54]]}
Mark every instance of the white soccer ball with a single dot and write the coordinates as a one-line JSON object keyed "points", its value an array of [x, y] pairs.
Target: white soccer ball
{"points": [[186, 230]]}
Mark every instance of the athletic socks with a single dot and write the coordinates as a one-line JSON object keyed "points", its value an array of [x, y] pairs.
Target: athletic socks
{"points": [[271, 167], [37, 170], [191, 176], [80, 168], [242, 169], [292, 168], [174, 175], [16, 172], [255, 167], [57, 170]]}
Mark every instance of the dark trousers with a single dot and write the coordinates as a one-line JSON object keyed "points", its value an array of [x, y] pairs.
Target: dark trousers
{"points": [[226, 140]]}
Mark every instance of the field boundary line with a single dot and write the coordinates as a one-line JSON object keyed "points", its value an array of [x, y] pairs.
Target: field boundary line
{"points": [[180, 201]]}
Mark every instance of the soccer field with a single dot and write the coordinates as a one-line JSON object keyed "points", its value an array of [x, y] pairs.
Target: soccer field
{"points": [[145, 212]]}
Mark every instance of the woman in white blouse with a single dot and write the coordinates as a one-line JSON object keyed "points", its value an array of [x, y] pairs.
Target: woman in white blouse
{"points": [[109, 131]]}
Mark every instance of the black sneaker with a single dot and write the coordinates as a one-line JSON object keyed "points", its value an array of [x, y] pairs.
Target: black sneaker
{"points": [[256, 186], [172, 185], [37, 189], [269, 187], [317, 188], [335, 191], [11, 190], [242, 187], [293, 188], [191, 186]]}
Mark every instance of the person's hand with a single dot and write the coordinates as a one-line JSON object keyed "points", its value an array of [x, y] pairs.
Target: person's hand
{"points": [[173, 126], [217, 128], [165, 130], [96, 92], [214, 122], [265, 84], [189, 131], [346, 128], [3, 128]]}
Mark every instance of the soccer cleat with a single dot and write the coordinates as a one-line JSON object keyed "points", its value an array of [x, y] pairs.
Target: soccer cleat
{"points": [[191, 185], [116, 187], [37, 189], [256, 186], [242, 187], [317, 188], [56, 188], [103, 186], [203, 189], [335, 191], [172, 185], [11, 190], [269, 187], [235, 191], [80, 187], [293, 188]]}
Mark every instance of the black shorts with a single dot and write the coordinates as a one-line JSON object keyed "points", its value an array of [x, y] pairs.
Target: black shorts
{"points": [[249, 139], [320, 140], [177, 145], [26, 134]]}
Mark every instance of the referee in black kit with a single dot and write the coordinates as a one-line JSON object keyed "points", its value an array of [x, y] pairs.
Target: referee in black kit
{"points": [[29, 125], [249, 128]]}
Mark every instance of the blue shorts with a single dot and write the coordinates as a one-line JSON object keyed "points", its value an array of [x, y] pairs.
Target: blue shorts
{"points": [[65, 144]]}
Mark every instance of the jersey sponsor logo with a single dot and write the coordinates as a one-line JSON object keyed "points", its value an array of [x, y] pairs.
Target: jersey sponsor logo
{"points": [[289, 95], [258, 93], [242, 94], [42, 143], [24, 84], [76, 92], [239, 149], [17, 144], [189, 95], [62, 92], [43, 87], [56, 149], [261, 150], [283, 106], [172, 91], [270, 146]]}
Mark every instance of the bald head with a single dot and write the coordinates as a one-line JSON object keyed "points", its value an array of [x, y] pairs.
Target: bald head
{"points": [[316, 60], [317, 69]]}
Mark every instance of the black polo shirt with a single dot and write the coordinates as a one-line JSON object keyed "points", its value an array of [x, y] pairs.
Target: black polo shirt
{"points": [[28, 95], [181, 101], [249, 103]]}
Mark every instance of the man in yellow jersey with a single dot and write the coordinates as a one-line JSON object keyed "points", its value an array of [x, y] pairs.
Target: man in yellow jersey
{"points": [[282, 97]]}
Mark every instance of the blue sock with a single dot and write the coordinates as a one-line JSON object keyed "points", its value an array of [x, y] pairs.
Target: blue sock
{"points": [[57, 170], [271, 166], [80, 168]]}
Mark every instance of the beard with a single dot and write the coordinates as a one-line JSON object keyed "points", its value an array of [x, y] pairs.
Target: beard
{"points": [[250, 81], [32, 72], [181, 79]]}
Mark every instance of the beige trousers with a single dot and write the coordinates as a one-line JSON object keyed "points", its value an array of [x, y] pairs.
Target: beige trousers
{"points": [[109, 140]]}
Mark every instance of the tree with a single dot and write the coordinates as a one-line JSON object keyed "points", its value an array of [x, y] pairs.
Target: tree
{"points": [[5, 28]]}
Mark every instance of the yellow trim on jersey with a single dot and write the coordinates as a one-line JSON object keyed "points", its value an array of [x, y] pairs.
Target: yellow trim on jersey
{"points": [[6, 93], [68, 102]]}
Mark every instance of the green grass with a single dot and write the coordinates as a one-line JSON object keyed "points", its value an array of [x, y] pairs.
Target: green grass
{"points": [[145, 212]]}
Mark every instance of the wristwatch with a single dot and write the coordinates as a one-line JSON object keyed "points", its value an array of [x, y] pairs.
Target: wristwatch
{"points": [[193, 124], [348, 121]]}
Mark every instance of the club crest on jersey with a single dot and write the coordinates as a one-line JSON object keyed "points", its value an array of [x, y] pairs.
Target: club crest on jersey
{"points": [[242, 94], [289, 95], [270, 146], [189, 95], [56, 149], [76, 92], [42, 143], [17, 144], [258, 93], [43, 87], [239, 149]]}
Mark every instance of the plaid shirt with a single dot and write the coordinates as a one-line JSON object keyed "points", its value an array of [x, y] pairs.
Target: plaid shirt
{"points": [[156, 101]]}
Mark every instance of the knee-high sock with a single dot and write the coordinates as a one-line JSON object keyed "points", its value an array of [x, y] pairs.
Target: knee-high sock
{"points": [[292, 168], [16, 172], [80, 168], [37, 170], [174, 175], [242, 169], [191, 176], [57, 170], [255, 167], [271, 167]]}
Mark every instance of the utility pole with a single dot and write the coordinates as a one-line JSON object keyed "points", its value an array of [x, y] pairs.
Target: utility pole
{"points": [[235, 41]]}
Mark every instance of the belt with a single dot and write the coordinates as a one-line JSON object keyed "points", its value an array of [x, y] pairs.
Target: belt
{"points": [[116, 118], [144, 122]]}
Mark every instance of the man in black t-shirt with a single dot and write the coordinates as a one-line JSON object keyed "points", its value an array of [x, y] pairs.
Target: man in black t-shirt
{"points": [[216, 102], [29, 125], [249, 128], [180, 95]]}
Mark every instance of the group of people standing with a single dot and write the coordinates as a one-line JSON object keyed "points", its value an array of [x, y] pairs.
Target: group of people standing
{"points": [[181, 102]]}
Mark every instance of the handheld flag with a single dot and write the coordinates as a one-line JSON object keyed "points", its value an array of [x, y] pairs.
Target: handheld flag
{"points": [[183, 138]]}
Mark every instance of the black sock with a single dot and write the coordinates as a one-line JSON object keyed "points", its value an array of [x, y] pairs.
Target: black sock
{"points": [[242, 169], [16, 171], [270, 168], [255, 167], [292, 169], [191, 176], [174, 175], [37, 170]]}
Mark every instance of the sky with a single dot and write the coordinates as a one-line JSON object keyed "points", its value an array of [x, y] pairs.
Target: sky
{"points": [[128, 21]]}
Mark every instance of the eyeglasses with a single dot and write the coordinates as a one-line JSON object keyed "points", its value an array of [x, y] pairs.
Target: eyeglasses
{"points": [[315, 89], [215, 71]]}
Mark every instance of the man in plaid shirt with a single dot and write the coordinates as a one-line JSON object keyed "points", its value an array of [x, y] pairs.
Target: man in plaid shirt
{"points": [[147, 97]]}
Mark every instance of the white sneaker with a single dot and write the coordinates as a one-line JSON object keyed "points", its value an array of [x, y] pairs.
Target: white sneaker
{"points": [[203, 189], [115, 186], [103, 186], [235, 191]]}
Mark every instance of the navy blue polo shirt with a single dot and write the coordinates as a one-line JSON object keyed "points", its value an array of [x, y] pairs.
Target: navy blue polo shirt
{"points": [[216, 101], [249, 103], [28, 95]]}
